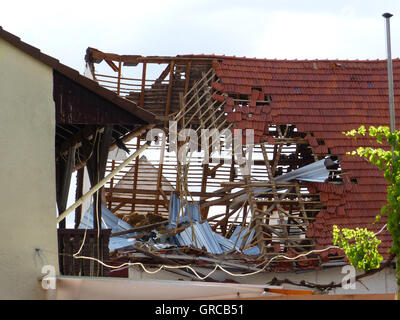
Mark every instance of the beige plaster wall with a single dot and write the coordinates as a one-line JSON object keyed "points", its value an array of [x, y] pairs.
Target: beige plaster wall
{"points": [[166, 286], [380, 283], [27, 171]]}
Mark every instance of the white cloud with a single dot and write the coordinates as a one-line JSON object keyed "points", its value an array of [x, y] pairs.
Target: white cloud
{"points": [[348, 11], [273, 29]]}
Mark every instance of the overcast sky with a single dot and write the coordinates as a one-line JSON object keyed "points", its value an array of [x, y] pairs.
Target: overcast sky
{"points": [[284, 29], [292, 29]]}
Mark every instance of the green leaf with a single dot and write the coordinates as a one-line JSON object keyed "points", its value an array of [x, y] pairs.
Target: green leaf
{"points": [[360, 246]]}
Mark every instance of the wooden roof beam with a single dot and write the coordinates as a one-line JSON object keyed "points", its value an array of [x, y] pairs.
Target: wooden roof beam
{"points": [[97, 56]]}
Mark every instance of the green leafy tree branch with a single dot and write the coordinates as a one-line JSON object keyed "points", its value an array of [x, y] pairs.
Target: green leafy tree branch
{"points": [[360, 245]]}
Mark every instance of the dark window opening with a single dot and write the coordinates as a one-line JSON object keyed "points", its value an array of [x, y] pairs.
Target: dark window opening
{"points": [[354, 77], [335, 173]]}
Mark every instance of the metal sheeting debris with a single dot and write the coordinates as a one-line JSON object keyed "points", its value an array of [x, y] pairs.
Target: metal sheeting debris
{"points": [[190, 213], [200, 236], [237, 237], [314, 172], [205, 238], [109, 221]]}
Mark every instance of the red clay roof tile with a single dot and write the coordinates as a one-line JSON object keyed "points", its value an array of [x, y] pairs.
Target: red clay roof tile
{"points": [[324, 97]]}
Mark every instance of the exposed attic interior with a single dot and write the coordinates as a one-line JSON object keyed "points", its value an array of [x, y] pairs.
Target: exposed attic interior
{"points": [[183, 202], [158, 214]]}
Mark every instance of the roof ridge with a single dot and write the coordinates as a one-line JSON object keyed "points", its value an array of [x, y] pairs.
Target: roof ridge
{"points": [[233, 57]]}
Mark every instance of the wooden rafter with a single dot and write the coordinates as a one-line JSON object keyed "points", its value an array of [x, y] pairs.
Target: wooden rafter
{"points": [[159, 173], [136, 174]]}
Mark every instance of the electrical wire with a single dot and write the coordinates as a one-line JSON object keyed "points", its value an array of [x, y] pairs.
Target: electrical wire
{"points": [[217, 266], [375, 234]]}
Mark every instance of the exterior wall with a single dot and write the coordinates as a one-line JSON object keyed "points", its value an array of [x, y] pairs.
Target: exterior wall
{"points": [[379, 283], [167, 286], [27, 189]]}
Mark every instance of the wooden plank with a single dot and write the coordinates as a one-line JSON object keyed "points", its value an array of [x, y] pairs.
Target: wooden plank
{"points": [[164, 198], [297, 217], [169, 93], [160, 170], [167, 192], [112, 65], [138, 229], [135, 200], [78, 194], [224, 224], [253, 207], [119, 70], [119, 206], [135, 133], [193, 104], [222, 200], [97, 56], [136, 174], [187, 79], [141, 102], [111, 182], [204, 210], [163, 75], [287, 201]]}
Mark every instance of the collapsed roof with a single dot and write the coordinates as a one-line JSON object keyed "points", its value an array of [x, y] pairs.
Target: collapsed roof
{"points": [[298, 110], [295, 113]]}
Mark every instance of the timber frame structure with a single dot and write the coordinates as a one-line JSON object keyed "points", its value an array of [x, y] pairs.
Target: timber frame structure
{"points": [[197, 92], [287, 117]]}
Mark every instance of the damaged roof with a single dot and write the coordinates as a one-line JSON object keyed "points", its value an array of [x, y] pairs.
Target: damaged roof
{"points": [[322, 98], [314, 101]]}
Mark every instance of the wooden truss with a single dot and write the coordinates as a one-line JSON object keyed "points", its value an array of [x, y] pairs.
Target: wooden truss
{"points": [[185, 93]]}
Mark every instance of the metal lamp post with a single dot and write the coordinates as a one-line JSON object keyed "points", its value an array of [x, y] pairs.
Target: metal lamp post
{"points": [[387, 17]]}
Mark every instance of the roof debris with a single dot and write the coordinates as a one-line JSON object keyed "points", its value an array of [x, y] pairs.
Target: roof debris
{"points": [[300, 182]]}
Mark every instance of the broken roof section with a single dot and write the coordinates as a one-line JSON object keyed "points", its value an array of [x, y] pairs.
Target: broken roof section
{"points": [[314, 172], [74, 75], [298, 110], [146, 181], [88, 117], [323, 98], [80, 101]]}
